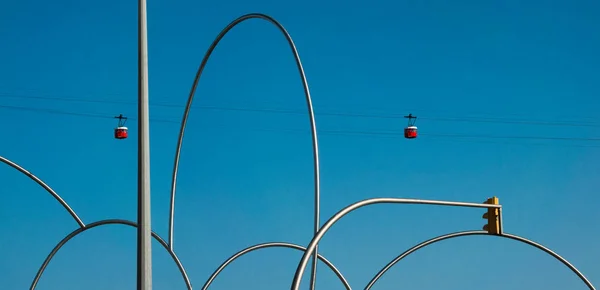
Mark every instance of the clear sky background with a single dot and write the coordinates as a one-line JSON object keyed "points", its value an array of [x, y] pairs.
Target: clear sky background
{"points": [[488, 80]]}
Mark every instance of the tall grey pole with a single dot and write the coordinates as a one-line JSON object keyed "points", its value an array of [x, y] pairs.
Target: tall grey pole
{"points": [[144, 233]]}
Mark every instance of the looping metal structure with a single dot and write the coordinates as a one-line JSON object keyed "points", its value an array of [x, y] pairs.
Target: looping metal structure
{"points": [[102, 223], [312, 248], [272, 245], [473, 233], [313, 127], [46, 187]]}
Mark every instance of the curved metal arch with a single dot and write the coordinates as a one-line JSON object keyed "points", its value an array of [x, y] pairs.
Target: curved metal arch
{"points": [[272, 245], [315, 146], [102, 223], [473, 233], [46, 187]]}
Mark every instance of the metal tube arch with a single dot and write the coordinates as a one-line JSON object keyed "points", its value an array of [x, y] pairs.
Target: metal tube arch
{"points": [[46, 187], [388, 200], [310, 112], [272, 245], [473, 233], [102, 223]]}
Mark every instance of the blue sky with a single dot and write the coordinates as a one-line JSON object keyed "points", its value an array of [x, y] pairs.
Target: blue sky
{"points": [[246, 176]]}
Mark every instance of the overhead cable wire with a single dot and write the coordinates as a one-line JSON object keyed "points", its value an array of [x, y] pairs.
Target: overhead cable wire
{"points": [[330, 132], [338, 114]]}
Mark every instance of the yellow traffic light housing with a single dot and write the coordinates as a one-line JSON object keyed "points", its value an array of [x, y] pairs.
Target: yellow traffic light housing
{"points": [[493, 224]]}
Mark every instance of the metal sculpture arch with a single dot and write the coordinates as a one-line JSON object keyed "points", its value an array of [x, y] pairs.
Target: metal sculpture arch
{"points": [[102, 223], [46, 187], [313, 128], [272, 245], [474, 233], [312, 249]]}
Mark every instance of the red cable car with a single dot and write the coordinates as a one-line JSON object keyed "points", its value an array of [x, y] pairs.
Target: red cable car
{"points": [[121, 130], [410, 132]]}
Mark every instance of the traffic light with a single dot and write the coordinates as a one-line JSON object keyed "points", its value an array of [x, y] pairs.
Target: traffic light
{"points": [[493, 224]]}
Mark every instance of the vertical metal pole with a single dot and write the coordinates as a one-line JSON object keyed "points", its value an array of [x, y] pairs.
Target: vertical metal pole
{"points": [[144, 234]]}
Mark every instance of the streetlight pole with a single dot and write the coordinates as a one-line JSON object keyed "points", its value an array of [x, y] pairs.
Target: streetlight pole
{"points": [[144, 232]]}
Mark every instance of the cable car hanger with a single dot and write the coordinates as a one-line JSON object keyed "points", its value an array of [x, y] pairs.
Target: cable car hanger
{"points": [[121, 130], [410, 132]]}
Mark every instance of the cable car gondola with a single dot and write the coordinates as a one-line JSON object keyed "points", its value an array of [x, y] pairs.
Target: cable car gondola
{"points": [[121, 130], [410, 132]]}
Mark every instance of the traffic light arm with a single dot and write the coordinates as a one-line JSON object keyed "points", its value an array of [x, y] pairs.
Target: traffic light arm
{"points": [[310, 250]]}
